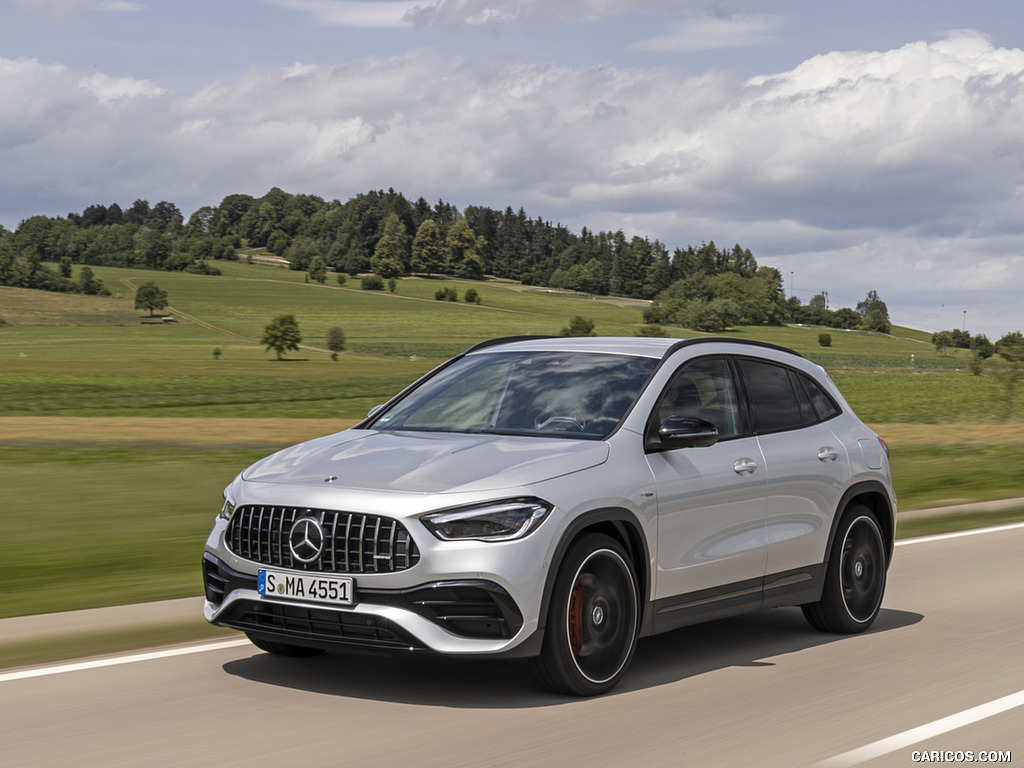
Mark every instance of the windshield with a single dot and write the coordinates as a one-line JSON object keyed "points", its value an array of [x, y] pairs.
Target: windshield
{"points": [[559, 394]]}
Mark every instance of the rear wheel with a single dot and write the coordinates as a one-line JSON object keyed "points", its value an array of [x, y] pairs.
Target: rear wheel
{"points": [[593, 620], [855, 578], [283, 649]]}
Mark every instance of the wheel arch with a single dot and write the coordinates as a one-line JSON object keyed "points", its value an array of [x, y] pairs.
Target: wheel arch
{"points": [[619, 524], [873, 495]]}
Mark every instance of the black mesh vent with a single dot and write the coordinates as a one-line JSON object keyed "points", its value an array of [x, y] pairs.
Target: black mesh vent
{"points": [[322, 626]]}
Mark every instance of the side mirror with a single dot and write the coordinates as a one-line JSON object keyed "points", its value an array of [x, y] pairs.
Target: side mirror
{"points": [[374, 410], [684, 432]]}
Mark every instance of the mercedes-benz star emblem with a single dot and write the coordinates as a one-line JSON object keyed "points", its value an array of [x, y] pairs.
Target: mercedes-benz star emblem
{"points": [[306, 540]]}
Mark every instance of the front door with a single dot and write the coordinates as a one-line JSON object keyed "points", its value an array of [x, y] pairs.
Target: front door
{"points": [[712, 502]]}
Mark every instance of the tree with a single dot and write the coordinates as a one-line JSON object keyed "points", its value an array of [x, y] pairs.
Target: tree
{"points": [[281, 334], [875, 313], [149, 296], [387, 257], [428, 248], [712, 316], [982, 347], [878, 321], [1011, 348], [464, 251], [91, 285], [942, 340], [318, 269], [335, 341]]}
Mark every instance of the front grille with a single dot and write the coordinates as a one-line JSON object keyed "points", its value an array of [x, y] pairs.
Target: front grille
{"points": [[353, 543]]}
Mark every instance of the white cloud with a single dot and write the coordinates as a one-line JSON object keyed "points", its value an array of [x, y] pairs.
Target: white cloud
{"points": [[704, 33], [366, 14], [63, 9], [892, 170], [456, 14], [106, 88], [118, 6]]}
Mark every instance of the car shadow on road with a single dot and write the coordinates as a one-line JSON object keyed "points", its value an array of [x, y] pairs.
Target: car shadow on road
{"points": [[751, 640]]}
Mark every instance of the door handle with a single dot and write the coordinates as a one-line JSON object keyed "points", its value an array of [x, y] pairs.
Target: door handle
{"points": [[744, 467], [828, 453]]}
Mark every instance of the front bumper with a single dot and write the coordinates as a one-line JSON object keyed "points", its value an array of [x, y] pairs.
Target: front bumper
{"points": [[463, 617]]}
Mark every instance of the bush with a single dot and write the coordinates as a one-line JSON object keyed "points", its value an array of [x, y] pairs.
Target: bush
{"points": [[341, 278], [373, 283], [472, 296], [579, 326], [446, 294], [825, 339], [651, 329]]}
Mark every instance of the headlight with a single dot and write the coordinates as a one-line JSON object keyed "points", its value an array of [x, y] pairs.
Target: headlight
{"points": [[228, 508], [494, 521]]}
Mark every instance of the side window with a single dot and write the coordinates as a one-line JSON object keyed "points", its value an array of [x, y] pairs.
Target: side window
{"points": [[703, 388], [824, 406], [773, 399]]}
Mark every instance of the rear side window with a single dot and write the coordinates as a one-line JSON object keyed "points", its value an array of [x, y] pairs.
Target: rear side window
{"points": [[773, 401], [782, 398]]}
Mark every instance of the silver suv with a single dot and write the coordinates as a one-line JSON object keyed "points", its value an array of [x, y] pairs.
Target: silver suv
{"points": [[557, 499]]}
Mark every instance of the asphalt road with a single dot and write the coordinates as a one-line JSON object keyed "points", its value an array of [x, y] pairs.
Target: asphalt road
{"points": [[942, 672]]}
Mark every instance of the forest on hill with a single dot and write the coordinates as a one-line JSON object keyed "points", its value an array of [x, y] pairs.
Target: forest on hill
{"points": [[703, 287]]}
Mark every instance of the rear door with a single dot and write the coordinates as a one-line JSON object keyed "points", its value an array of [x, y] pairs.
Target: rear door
{"points": [[807, 465]]}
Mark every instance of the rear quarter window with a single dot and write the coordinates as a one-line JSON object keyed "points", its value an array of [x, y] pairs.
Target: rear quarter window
{"points": [[781, 398]]}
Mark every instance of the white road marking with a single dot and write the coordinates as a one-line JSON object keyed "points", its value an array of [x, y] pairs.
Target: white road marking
{"points": [[927, 731], [958, 534], [945, 724], [114, 661]]}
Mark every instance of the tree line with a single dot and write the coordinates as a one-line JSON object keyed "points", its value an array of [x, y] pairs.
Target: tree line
{"points": [[387, 234]]}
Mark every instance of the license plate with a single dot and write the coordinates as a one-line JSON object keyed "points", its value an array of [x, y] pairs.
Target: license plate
{"points": [[302, 586]]}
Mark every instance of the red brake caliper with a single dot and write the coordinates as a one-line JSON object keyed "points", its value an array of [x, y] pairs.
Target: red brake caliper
{"points": [[576, 619]]}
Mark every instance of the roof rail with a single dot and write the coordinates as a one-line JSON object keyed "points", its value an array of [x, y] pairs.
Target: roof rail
{"points": [[503, 340], [713, 339]]}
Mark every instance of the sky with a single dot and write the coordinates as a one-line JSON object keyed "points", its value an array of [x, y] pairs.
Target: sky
{"points": [[876, 145]]}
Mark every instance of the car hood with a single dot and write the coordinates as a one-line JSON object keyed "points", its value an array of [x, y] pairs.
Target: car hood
{"points": [[423, 462]]}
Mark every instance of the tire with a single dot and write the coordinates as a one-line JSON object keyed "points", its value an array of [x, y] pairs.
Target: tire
{"points": [[593, 620], [283, 649], [855, 576]]}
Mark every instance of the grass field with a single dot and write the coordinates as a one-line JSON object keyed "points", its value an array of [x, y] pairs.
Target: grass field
{"points": [[117, 437]]}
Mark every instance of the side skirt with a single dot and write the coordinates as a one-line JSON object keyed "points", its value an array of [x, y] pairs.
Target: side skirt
{"points": [[796, 587]]}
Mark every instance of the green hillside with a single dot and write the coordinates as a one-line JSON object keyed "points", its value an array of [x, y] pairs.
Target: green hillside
{"points": [[66, 355]]}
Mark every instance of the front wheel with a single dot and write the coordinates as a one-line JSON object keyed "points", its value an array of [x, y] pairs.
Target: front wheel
{"points": [[855, 578], [593, 620]]}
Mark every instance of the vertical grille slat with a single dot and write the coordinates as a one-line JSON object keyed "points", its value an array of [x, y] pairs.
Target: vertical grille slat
{"points": [[356, 544], [333, 550], [348, 534], [362, 532], [280, 538]]}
